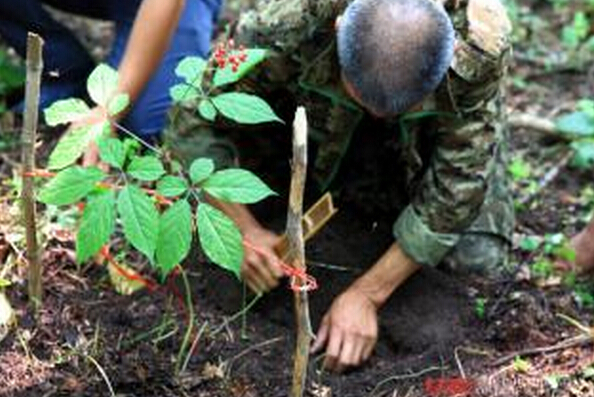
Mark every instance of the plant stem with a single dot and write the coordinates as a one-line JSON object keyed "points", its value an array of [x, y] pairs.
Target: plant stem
{"points": [[184, 346], [297, 251], [34, 69]]}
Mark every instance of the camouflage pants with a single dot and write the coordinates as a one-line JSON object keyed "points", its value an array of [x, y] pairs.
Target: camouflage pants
{"points": [[483, 248]]}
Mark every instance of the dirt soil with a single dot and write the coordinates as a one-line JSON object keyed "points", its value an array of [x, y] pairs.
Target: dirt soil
{"points": [[435, 337]]}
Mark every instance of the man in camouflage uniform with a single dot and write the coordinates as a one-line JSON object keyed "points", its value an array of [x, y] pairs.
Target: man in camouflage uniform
{"points": [[452, 147]]}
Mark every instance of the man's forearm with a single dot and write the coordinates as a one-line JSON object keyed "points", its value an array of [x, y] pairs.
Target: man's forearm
{"points": [[387, 274], [151, 34]]}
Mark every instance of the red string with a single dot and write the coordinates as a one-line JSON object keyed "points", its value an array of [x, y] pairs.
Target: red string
{"points": [[300, 280]]}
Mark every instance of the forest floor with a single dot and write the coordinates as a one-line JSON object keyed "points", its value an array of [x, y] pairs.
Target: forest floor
{"points": [[441, 334]]}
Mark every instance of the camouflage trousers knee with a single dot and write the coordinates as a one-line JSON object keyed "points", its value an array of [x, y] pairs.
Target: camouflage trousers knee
{"points": [[479, 253]]}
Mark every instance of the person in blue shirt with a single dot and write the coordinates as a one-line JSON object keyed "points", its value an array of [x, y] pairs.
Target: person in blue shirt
{"points": [[151, 37]]}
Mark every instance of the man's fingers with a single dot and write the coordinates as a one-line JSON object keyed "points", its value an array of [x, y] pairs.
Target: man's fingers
{"points": [[333, 349], [321, 337], [347, 354], [368, 349]]}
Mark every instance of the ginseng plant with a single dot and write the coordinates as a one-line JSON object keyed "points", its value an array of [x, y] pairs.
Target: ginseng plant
{"points": [[157, 207]]}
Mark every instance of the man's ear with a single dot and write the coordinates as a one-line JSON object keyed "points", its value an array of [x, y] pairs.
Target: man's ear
{"points": [[337, 22]]}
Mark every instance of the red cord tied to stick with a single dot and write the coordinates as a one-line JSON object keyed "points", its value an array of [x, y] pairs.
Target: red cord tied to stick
{"points": [[300, 280]]}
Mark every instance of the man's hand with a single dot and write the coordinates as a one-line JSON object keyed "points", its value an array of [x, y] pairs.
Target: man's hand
{"points": [[260, 268], [349, 330]]}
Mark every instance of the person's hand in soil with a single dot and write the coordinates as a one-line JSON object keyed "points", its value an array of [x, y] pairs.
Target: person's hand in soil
{"points": [[349, 330], [583, 243], [260, 268]]}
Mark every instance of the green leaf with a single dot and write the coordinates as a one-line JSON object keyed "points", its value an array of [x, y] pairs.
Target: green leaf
{"points": [[102, 84], [96, 226], [112, 152], [584, 154], [175, 236], [207, 110], [191, 69], [519, 169], [577, 123], [146, 168], [171, 186], [4, 283], [118, 103], [183, 93], [70, 147], [66, 111], [237, 185], [227, 75], [587, 106], [530, 243], [220, 238], [71, 185], [201, 169], [244, 108], [140, 219]]}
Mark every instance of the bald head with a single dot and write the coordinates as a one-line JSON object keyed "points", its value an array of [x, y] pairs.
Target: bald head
{"points": [[393, 53]]}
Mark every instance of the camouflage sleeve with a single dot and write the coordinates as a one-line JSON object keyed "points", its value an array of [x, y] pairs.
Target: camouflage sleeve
{"points": [[453, 187], [282, 25]]}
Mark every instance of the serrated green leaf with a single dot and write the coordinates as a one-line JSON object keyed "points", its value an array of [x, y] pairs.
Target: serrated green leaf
{"points": [[237, 186], [207, 110], [183, 93], [172, 186], [71, 185], [224, 76], [96, 226], [112, 152], [66, 111], [201, 169], [577, 123], [175, 236], [118, 103], [70, 147], [220, 238], [102, 84], [191, 69], [146, 168], [140, 219], [244, 108]]}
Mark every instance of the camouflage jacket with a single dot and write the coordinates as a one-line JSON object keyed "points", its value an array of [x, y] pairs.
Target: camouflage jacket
{"points": [[462, 121]]}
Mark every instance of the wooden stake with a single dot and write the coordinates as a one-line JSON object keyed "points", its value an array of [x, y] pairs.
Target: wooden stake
{"points": [[29, 137], [297, 251]]}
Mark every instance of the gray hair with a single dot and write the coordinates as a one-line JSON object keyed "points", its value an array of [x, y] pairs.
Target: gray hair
{"points": [[394, 52]]}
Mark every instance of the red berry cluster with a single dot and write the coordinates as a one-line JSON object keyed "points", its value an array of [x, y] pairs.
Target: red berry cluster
{"points": [[226, 54]]}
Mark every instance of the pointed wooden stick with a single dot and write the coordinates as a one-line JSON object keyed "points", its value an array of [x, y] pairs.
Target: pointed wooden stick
{"points": [[297, 252], [29, 136]]}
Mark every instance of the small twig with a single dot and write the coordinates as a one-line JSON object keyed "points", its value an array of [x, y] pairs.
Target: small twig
{"points": [[237, 315], [103, 374], [566, 344], [191, 317], [459, 363], [251, 349], [413, 375], [535, 123], [548, 178], [193, 346], [34, 69]]}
